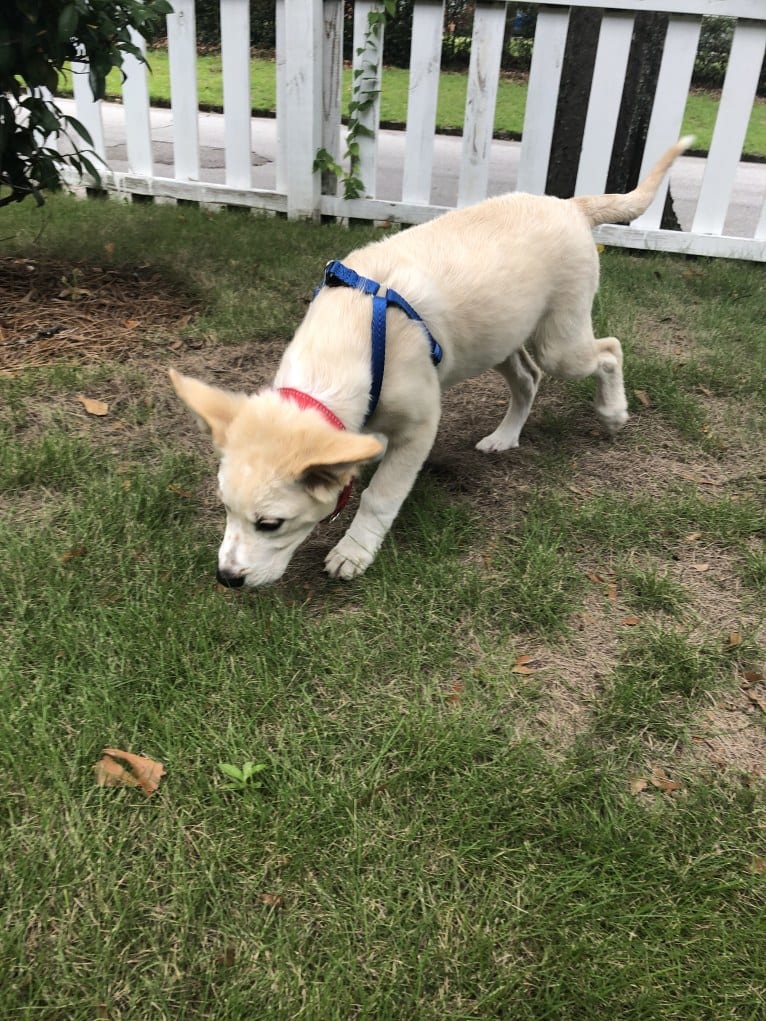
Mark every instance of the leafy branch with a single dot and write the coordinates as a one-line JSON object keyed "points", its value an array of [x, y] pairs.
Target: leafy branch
{"points": [[364, 93], [38, 38]]}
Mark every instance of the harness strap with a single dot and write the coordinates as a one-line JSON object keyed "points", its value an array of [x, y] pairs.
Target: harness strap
{"points": [[336, 275]]}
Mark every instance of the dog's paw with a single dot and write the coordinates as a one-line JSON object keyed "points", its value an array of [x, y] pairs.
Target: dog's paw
{"points": [[497, 441], [347, 560]]}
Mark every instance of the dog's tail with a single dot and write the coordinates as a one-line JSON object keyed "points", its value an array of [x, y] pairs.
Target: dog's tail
{"points": [[624, 208]]}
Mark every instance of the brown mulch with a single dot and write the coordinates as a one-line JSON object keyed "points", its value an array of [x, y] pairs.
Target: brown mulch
{"points": [[78, 312]]}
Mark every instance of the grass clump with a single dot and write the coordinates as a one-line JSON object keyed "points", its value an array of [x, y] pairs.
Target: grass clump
{"points": [[651, 590], [534, 580], [659, 675]]}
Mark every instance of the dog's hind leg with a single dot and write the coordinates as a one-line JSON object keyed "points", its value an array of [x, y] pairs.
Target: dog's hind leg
{"points": [[610, 402], [587, 356], [523, 378]]}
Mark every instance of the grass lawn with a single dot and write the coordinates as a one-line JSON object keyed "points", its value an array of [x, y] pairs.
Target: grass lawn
{"points": [[699, 118], [513, 772]]}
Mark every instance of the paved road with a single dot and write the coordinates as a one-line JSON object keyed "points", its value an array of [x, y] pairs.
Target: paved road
{"points": [[686, 176]]}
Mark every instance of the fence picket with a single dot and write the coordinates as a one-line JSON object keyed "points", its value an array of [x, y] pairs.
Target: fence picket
{"points": [[542, 96], [425, 65], [481, 99], [611, 62], [303, 113], [182, 51], [135, 98], [366, 68], [88, 109], [737, 98], [47, 141], [280, 31], [235, 57], [666, 121], [332, 86]]}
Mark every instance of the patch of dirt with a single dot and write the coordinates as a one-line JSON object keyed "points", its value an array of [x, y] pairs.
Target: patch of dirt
{"points": [[83, 313], [731, 735]]}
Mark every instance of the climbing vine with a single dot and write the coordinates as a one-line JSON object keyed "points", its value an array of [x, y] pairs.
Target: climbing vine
{"points": [[364, 92]]}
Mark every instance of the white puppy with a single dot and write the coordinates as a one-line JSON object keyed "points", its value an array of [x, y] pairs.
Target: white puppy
{"points": [[455, 296]]}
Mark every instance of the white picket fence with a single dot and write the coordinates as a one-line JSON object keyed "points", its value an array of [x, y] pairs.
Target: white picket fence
{"points": [[308, 79]]}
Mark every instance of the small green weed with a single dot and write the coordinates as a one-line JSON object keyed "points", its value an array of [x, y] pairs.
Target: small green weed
{"points": [[244, 778]]}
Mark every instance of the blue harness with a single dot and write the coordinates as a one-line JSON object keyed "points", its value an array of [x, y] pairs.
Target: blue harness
{"points": [[338, 275]]}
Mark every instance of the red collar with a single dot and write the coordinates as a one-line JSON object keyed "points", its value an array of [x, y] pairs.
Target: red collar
{"points": [[304, 400]]}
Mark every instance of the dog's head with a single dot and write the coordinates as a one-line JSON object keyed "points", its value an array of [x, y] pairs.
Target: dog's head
{"points": [[282, 470]]}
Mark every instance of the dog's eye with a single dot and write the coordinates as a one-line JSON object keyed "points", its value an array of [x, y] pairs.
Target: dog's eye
{"points": [[268, 524]]}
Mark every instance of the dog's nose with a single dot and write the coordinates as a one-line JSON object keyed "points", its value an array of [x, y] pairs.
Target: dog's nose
{"points": [[229, 580]]}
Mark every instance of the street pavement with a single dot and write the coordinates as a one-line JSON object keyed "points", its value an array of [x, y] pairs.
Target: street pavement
{"points": [[686, 176]]}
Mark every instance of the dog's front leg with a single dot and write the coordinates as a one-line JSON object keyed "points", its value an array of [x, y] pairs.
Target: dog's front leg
{"points": [[381, 502]]}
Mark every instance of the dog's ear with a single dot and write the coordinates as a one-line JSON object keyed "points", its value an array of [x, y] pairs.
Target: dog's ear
{"points": [[336, 461], [213, 408]]}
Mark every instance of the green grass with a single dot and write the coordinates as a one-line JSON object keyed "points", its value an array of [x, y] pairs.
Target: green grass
{"points": [[421, 846], [654, 591], [699, 118], [661, 674]]}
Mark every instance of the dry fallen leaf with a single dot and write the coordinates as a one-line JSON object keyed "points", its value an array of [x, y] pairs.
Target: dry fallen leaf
{"points": [[662, 781], [643, 398], [521, 666], [111, 774], [92, 406], [596, 577], [701, 568], [227, 958], [631, 621], [145, 773], [734, 639], [693, 536], [456, 690], [756, 699], [71, 554], [272, 900], [638, 785], [611, 593], [753, 676], [173, 488], [131, 324], [758, 865]]}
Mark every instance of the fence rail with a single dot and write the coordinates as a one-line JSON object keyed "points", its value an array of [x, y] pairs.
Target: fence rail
{"points": [[308, 89]]}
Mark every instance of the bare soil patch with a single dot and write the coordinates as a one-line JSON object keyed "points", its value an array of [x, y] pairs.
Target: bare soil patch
{"points": [[83, 313]]}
